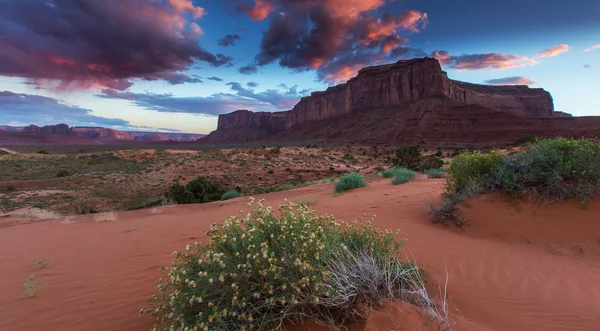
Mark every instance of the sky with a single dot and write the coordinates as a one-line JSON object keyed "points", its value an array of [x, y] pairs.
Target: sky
{"points": [[175, 65]]}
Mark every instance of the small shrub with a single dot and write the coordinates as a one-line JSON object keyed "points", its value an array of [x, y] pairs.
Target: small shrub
{"points": [[439, 154], [434, 173], [109, 216], [43, 151], [179, 194], [271, 172], [62, 173], [10, 188], [31, 286], [431, 162], [257, 272], [408, 157], [230, 195], [350, 181], [403, 175], [41, 264]]}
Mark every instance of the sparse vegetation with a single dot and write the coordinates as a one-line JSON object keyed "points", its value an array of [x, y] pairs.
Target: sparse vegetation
{"points": [[41, 264], [31, 287], [62, 173], [403, 175], [262, 270], [199, 190], [525, 140], [547, 170], [109, 216], [230, 195], [434, 173], [410, 157], [350, 181], [306, 202]]}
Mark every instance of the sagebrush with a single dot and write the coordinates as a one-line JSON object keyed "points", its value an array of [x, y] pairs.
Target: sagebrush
{"points": [[350, 181], [258, 271]]}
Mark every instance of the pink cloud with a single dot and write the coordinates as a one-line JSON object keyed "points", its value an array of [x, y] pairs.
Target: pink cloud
{"points": [[554, 51], [591, 48]]}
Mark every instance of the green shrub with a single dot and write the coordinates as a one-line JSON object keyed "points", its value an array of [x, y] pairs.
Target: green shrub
{"points": [[431, 162], [350, 181], [62, 173], [403, 175], [10, 188], [204, 190], [257, 272], [434, 173], [230, 195], [408, 157], [439, 154], [199, 190], [43, 151], [553, 169]]}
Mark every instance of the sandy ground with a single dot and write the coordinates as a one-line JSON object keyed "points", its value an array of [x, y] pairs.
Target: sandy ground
{"points": [[518, 267]]}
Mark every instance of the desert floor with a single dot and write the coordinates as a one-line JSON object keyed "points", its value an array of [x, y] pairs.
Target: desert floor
{"points": [[517, 267]]}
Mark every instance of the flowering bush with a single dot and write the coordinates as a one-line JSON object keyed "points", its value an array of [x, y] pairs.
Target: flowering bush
{"points": [[263, 269]]}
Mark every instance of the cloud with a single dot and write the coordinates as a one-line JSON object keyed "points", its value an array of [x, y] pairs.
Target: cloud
{"points": [[311, 35], [591, 48], [587, 66], [215, 104], [248, 70], [490, 61], [29, 108], [229, 40], [514, 80], [554, 51], [252, 84], [85, 44], [216, 79]]}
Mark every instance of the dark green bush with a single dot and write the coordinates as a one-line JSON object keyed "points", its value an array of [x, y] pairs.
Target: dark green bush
{"points": [[408, 157], [431, 162], [199, 190], [62, 173], [350, 181], [434, 173]]}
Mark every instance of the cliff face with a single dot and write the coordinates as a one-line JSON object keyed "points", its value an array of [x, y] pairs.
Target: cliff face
{"points": [[59, 129], [392, 86]]}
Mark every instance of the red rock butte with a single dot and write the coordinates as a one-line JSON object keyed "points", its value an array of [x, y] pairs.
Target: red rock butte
{"points": [[410, 101]]}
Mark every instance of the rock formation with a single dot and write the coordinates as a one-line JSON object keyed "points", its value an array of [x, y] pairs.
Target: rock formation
{"points": [[393, 86]]}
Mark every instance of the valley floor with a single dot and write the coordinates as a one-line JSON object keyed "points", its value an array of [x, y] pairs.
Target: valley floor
{"points": [[539, 270]]}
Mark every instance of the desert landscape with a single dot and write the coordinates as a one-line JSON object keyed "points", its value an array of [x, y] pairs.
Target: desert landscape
{"points": [[258, 165]]}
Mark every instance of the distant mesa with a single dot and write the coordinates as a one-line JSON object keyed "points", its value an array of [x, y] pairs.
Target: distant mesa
{"points": [[407, 102], [63, 133]]}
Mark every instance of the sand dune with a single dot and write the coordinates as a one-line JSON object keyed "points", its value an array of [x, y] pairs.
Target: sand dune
{"points": [[513, 269]]}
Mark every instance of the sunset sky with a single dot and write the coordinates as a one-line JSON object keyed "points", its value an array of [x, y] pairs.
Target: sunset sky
{"points": [[175, 65]]}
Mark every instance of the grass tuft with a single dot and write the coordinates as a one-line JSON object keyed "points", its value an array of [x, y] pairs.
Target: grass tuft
{"points": [[230, 195], [350, 181]]}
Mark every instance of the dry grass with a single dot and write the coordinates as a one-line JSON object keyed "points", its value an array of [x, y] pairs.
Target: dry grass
{"points": [[109, 216], [40, 214], [156, 210]]}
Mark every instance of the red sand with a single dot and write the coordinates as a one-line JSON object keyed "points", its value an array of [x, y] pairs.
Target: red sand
{"points": [[508, 271]]}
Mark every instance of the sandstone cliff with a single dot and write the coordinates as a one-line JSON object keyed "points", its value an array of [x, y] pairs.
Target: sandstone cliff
{"points": [[393, 86]]}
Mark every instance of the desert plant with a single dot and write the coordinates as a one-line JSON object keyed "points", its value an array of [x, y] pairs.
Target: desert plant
{"points": [[548, 169], [109, 216], [264, 269], [525, 140], [62, 173], [350, 181], [179, 194], [408, 157], [230, 195], [434, 173], [431, 162], [40, 214], [31, 286], [41, 264], [204, 190]]}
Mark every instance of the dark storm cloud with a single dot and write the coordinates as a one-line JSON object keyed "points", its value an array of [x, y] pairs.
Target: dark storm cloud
{"points": [[311, 34], [28, 108], [216, 79], [229, 40], [248, 70], [79, 44]]}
